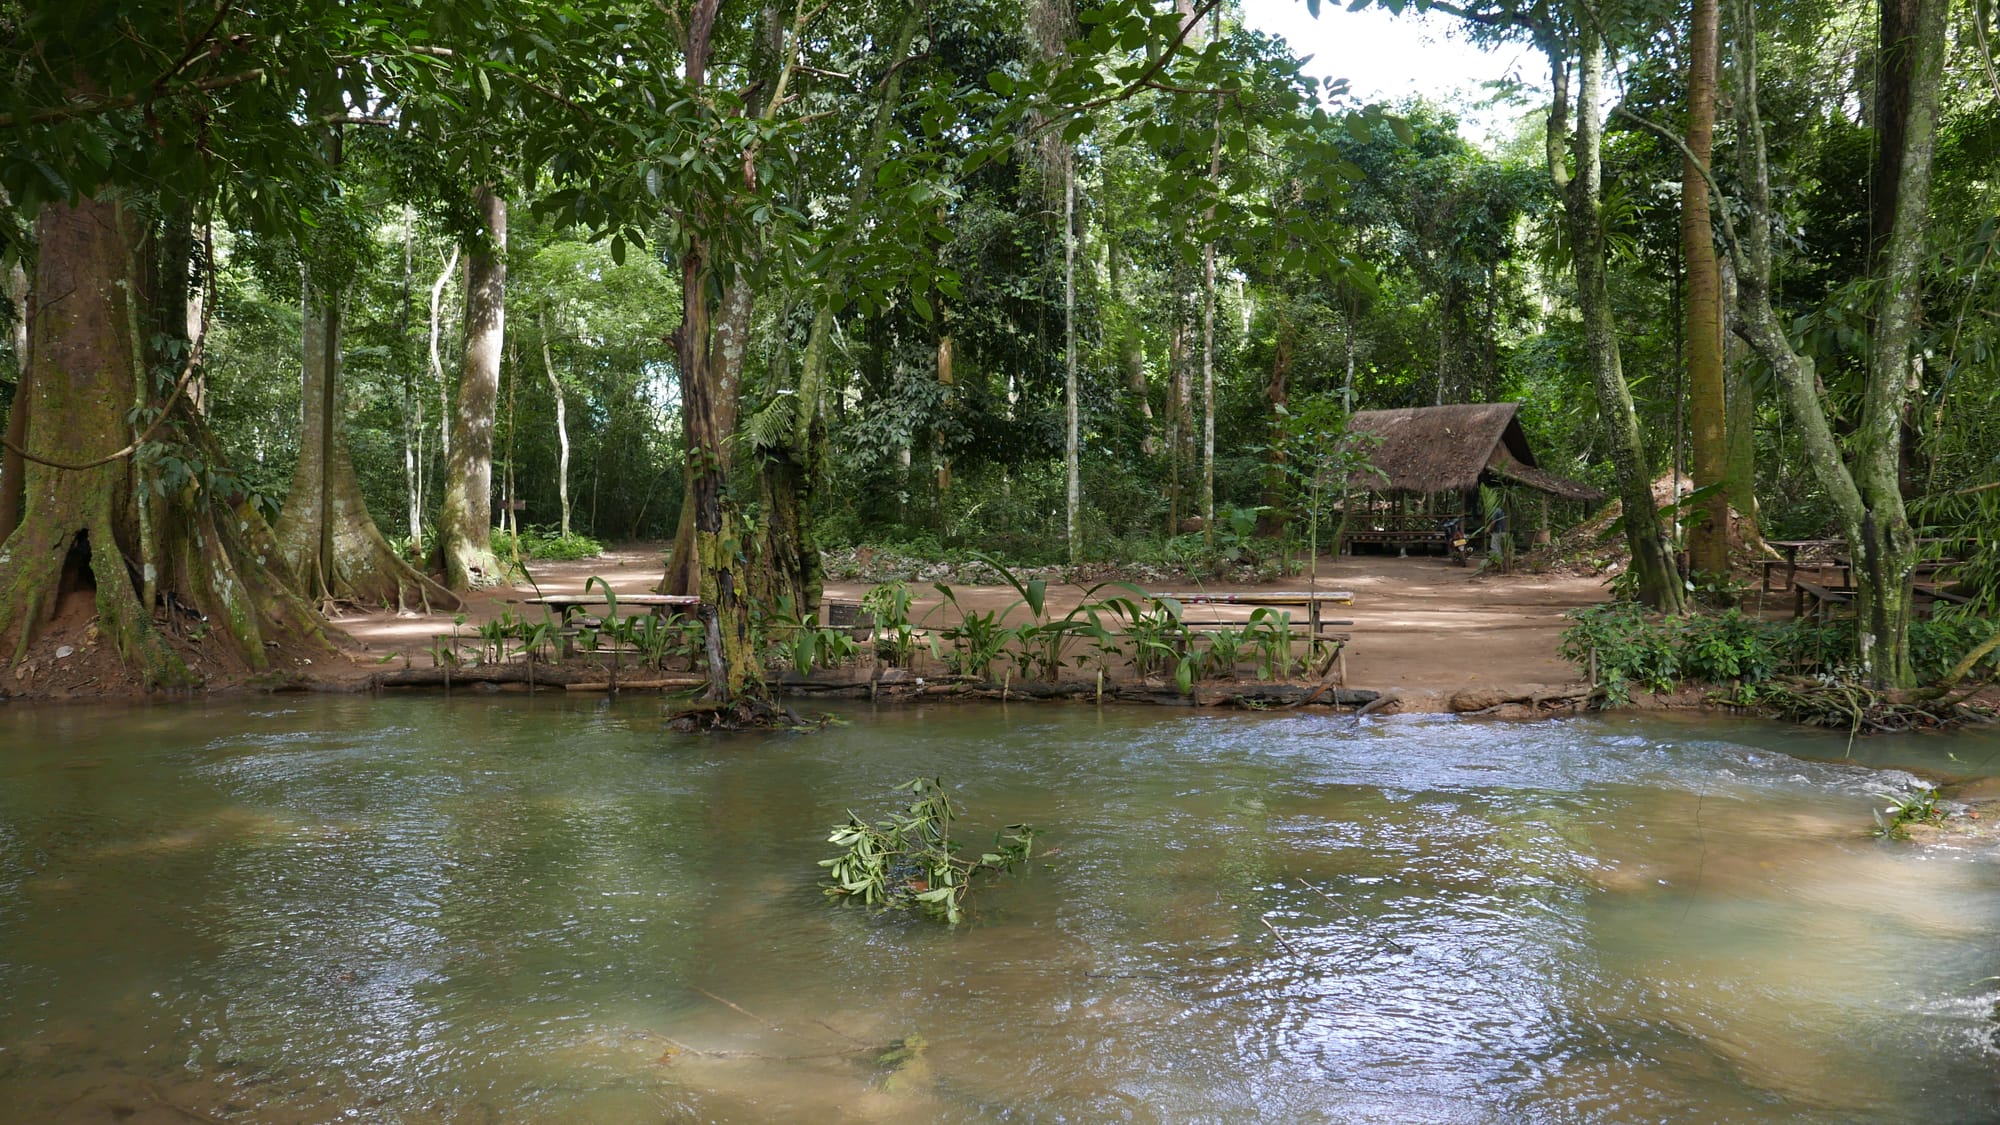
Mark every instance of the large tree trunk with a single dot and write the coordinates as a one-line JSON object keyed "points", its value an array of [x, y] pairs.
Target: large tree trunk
{"points": [[1886, 557], [732, 332], [444, 390], [465, 526], [413, 409], [1708, 539], [1659, 583], [703, 349], [11, 464], [325, 533], [1863, 486], [1740, 431], [83, 553]]}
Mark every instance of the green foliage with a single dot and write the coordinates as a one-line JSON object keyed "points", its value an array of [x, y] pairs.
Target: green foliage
{"points": [[1918, 806], [977, 640], [1633, 647], [803, 643], [1268, 633], [1044, 640], [889, 604], [544, 542], [909, 859]]}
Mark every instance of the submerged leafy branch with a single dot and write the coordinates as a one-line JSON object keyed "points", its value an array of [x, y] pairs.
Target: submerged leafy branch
{"points": [[910, 860]]}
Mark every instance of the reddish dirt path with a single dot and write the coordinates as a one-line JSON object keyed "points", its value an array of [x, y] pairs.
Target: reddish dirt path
{"points": [[1423, 628]]}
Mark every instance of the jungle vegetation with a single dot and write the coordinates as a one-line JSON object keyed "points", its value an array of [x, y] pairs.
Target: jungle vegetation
{"points": [[299, 294]]}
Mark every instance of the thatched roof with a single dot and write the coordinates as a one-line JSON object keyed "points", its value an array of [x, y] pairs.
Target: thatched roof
{"points": [[1449, 448]]}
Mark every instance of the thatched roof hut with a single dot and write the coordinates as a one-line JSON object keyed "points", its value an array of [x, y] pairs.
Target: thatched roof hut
{"points": [[1432, 449]]}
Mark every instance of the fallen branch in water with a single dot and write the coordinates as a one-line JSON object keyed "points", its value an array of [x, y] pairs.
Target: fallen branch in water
{"points": [[1276, 934], [768, 1025]]}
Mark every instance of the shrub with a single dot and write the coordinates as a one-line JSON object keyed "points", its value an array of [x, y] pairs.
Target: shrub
{"points": [[539, 542]]}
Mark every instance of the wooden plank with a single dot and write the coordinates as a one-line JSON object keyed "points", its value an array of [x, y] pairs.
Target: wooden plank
{"points": [[1261, 597], [623, 599]]}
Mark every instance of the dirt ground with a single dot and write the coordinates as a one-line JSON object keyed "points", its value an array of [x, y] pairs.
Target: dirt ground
{"points": [[1423, 628]]}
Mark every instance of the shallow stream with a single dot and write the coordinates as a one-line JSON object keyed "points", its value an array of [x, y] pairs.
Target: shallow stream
{"points": [[511, 909]]}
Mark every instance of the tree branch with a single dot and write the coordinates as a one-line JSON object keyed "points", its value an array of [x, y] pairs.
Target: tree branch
{"points": [[126, 101], [1188, 24], [1707, 175]]}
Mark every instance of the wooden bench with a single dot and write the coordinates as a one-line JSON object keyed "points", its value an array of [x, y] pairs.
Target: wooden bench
{"points": [[1310, 600], [1789, 549], [1824, 598]]}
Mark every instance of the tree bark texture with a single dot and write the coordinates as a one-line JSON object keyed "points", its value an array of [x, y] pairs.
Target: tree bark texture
{"points": [[1208, 322], [1740, 429], [219, 576], [324, 533], [444, 391], [718, 546], [562, 425], [1888, 551], [11, 464], [1072, 387], [1708, 538], [1863, 485], [465, 525], [1659, 583]]}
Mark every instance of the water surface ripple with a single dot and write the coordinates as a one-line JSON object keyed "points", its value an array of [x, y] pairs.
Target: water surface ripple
{"points": [[506, 909]]}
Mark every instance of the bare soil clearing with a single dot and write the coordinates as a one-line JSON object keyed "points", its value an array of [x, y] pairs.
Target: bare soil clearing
{"points": [[1437, 636]]}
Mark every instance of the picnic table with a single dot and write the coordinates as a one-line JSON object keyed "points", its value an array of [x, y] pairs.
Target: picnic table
{"points": [[1825, 596], [1790, 549], [569, 605], [1310, 600]]}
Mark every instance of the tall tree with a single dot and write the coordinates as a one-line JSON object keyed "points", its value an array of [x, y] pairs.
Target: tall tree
{"points": [[105, 515], [465, 525], [325, 534], [1863, 481], [562, 423], [107, 103], [1581, 180], [1708, 539], [331, 542]]}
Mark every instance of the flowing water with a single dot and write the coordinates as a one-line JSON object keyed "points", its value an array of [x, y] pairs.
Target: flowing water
{"points": [[509, 909]]}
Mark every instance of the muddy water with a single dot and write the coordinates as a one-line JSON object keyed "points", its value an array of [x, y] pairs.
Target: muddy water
{"points": [[486, 909]]}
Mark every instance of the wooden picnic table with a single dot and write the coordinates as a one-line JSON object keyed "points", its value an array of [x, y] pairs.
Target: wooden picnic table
{"points": [[1790, 549], [1311, 600], [569, 605]]}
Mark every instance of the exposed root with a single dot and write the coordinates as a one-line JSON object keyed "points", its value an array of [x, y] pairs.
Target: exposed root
{"points": [[1852, 707], [742, 714]]}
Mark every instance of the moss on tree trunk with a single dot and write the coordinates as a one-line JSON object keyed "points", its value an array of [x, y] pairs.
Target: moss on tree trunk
{"points": [[221, 585]]}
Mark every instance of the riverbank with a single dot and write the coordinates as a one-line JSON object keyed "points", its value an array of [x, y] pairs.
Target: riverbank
{"points": [[1427, 635]]}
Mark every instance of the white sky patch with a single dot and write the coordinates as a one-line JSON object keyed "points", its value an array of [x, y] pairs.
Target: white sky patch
{"points": [[1387, 57]]}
